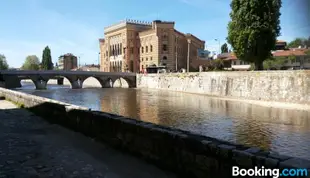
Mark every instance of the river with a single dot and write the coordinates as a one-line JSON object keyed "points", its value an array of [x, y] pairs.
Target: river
{"points": [[285, 131]]}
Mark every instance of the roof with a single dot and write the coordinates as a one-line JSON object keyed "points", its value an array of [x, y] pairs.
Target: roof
{"points": [[227, 56], [280, 41], [180, 33], [295, 52], [67, 55], [191, 35]]}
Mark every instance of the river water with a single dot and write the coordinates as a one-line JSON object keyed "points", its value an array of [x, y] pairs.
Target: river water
{"points": [[280, 130]]}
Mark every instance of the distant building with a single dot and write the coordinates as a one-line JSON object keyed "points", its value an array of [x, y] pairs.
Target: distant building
{"points": [[232, 63], [67, 62], [301, 60], [133, 46]]}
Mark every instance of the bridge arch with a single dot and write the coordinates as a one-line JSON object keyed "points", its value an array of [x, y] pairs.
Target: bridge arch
{"points": [[28, 83], [121, 82], [93, 82], [75, 82]]}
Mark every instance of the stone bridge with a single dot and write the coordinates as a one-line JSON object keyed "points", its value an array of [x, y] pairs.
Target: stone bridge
{"points": [[12, 79]]}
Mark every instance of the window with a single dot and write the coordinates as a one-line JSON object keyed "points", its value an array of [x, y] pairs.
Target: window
{"points": [[151, 48], [131, 50], [146, 65], [142, 50], [297, 59], [142, 59], [146, 59], [164, 47], [234, 63], [146, 49], [165, 58], [151, 58], [124, 50], [164, 64], [120, 48], [142, 66]]}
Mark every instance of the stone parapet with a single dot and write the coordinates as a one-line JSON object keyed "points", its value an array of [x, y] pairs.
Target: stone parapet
{"points": [[274, 86], [188, 154]]}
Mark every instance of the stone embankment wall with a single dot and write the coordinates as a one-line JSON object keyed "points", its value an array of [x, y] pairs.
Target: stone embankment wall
{"points": [[277, 86], [187, 154]]}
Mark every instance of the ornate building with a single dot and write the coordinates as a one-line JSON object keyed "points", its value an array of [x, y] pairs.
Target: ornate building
{"points": [[134, 45]]}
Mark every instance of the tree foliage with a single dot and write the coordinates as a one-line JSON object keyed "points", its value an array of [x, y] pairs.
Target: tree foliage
{"points": [[31, 63], [47, 63], [216, 64], [253, 29], [278, 62], [224, 48], [299, 42], [3, 63]]}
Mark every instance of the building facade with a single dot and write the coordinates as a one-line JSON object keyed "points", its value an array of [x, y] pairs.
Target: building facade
{"points": [[133, 46], [67, 62]]}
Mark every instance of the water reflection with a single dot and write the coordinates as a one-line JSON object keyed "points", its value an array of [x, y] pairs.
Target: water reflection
{"points": [[280, 130]]}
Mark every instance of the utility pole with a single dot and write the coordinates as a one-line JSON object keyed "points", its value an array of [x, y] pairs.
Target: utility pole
{"points": [[219, 45], [99, 60], [188, 53], [176, 55], [79, 62]]}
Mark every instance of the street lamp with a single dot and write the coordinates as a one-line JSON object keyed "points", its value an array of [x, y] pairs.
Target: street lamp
{"points": [[219, 45]]}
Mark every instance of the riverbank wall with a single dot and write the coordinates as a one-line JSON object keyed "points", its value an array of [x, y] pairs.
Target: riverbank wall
{"points": [[187, 154], [271, 86]]}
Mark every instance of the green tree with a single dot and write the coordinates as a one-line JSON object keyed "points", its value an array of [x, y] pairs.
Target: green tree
{"points": [[253, 29], [31, 63], [3, 63], [47, 63], [297, 42], [224, 48], [277, 62], [217, 64]]}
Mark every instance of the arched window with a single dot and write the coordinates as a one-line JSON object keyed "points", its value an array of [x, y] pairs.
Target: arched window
{"points": [[165, 58], [151, 48], [146, 49], [142, 50]]}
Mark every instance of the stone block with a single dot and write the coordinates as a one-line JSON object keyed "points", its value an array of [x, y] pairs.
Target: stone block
{"points": [[259, 161], [209, 164], [213, 146], [271, 163], [278, 156], [225, 151], [242, 158], [253, 150], [295, 163]]}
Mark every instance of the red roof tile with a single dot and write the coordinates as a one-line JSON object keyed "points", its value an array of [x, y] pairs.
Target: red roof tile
{"points": [[295, 52]]}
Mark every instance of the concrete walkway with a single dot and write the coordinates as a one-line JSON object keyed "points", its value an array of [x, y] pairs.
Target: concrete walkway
{"points": [[31, 147]]}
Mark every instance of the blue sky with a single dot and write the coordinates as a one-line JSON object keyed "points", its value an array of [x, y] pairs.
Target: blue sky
{"points": [[75, 26]]}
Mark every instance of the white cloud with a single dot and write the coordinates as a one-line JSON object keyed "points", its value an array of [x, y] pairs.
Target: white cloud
{"points": [[63, 34]]}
